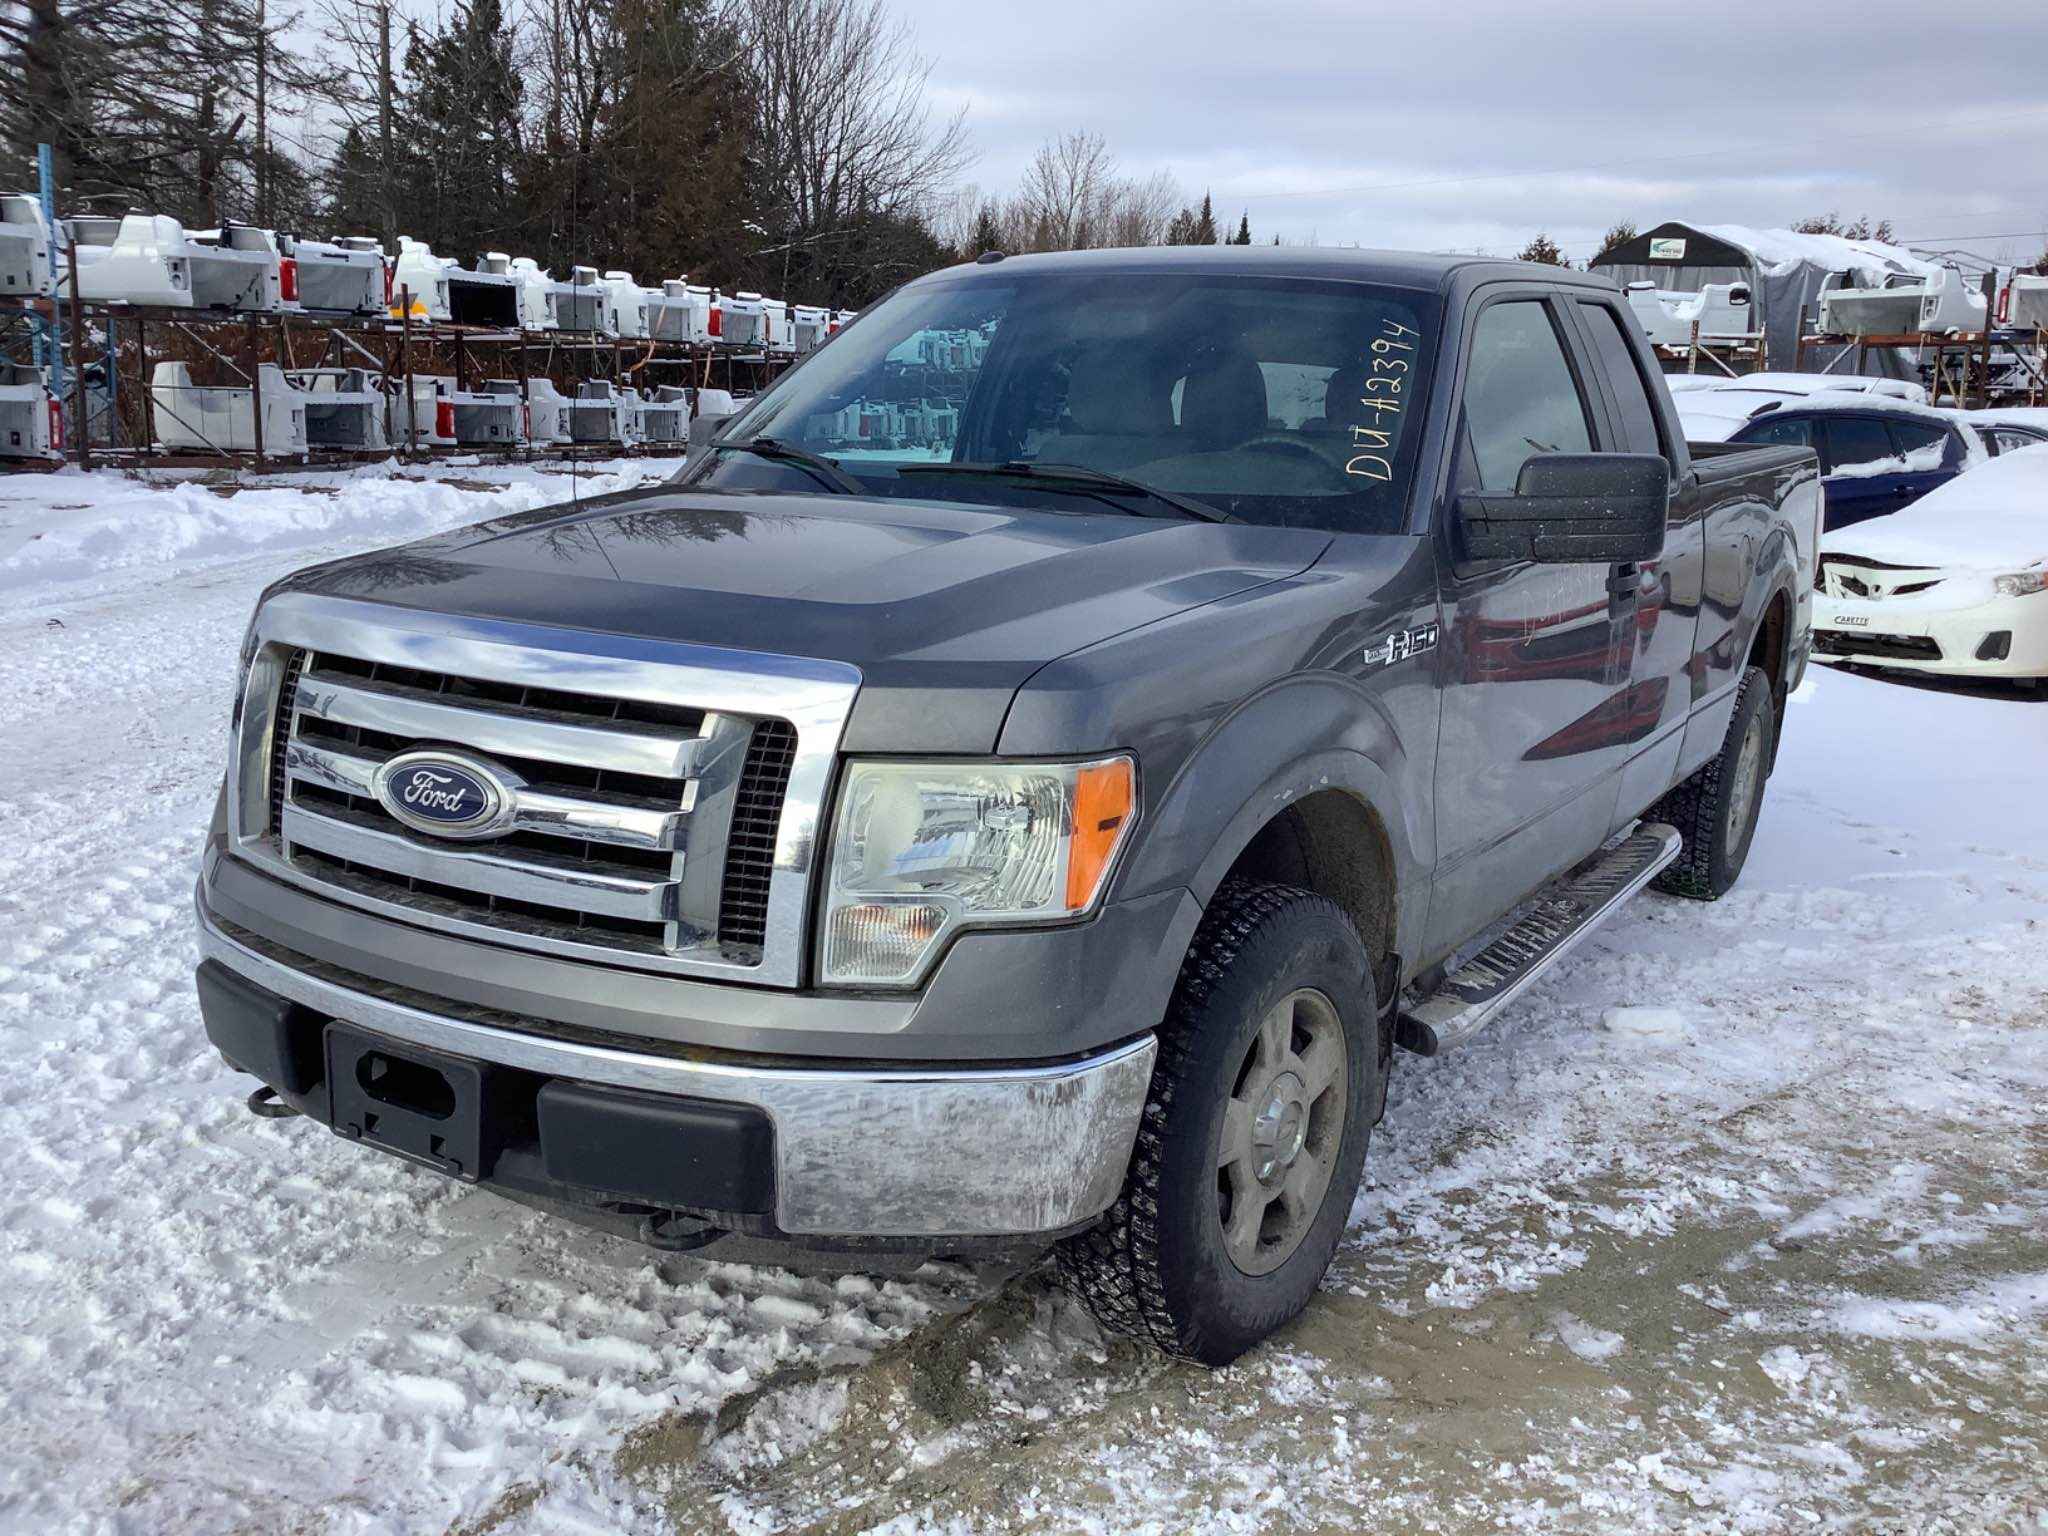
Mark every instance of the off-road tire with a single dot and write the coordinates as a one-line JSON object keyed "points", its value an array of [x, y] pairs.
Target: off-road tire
{"points": [[1704, 806], [1156, 1268]]}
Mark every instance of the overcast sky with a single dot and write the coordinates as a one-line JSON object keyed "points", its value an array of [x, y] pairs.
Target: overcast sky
{"points": [[1471, 124]]}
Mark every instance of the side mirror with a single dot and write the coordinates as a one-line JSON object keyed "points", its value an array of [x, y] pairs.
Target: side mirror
{"points": [[1572, 509]]}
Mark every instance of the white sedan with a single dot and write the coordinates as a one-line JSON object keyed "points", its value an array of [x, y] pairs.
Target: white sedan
{"points": [[1955, 584]]}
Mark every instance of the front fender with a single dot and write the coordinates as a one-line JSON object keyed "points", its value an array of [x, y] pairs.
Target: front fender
{"points": [[1302, 737]]}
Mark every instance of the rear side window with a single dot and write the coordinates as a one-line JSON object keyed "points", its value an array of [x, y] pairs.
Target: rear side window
{"points": [[1520, 396], [1783, 432], [1855, 441], [2012, 440], [1922, 444], [1625, 378]]}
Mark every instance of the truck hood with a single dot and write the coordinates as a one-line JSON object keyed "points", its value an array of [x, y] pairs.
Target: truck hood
{"points": [[946, 609]]}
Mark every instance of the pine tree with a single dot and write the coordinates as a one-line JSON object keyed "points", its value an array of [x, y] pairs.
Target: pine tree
{"points": [[1180, 230], [1205, 224], [1544, 251], [465, 110], [1618, 236], [1244, 230], [987, 235]]}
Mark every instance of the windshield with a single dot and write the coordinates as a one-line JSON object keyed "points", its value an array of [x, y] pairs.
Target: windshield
{"points": [[1281, 401]]}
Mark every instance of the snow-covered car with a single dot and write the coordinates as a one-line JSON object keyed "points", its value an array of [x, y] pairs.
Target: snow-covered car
{"points": [[1877, 455], [1880, 448], [2008, 429], [1956, 584]]}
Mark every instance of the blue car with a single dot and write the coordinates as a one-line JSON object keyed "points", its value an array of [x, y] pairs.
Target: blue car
{"points": [[1876, 458]]}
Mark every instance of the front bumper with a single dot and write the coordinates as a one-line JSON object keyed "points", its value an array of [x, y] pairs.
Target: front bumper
{"points": [[1977, 636], [858, 1151]]}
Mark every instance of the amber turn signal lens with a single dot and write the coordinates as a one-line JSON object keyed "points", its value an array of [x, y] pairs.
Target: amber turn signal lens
{"points": [[1104, 799]]}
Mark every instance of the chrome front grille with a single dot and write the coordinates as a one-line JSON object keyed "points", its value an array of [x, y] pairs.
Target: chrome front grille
{"points": [[663, 807], [595, 853]]}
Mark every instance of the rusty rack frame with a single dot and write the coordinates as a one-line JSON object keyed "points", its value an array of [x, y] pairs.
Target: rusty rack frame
{"points": [[381, 345]]}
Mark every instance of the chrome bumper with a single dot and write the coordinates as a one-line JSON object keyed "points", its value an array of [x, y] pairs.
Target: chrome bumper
{"points": [[974, 1152]]}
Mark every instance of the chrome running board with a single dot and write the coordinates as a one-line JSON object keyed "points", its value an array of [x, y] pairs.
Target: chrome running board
{"points": [[1548, 927]]}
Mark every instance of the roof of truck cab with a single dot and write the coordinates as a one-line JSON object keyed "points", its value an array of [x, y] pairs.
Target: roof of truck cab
{"points": [[1404, 269]]}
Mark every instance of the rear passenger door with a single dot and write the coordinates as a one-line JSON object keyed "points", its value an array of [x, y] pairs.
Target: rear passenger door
{"points": [[1535, 659]]}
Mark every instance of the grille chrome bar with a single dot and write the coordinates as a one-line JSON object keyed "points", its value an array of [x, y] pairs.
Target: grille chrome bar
{"points": [[565, 884], [642, 767], [398, 711], [532, 810]]}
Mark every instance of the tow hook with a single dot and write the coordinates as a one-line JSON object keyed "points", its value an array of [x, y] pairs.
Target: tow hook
{"points": [[674, 1232], [265, 1102]]}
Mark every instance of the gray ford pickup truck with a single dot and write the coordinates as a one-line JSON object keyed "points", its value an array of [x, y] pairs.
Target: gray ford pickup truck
{"points": [[1022, 782]]}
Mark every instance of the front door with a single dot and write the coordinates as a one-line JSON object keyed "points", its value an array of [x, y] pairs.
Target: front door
{"points": [[1537, 656]]}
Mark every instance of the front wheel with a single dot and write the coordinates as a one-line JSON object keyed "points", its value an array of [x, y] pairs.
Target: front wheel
{"points": [[1254, 1132]]}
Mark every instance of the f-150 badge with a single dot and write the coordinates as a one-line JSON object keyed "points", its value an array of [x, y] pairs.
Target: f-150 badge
{"points": [[1400, 645]]}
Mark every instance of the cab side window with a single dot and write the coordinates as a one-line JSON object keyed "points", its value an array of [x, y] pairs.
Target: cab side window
{"points": [[1784, 431], [1922, 444], [1625, 378], [1521, 398], [1857, 441]]}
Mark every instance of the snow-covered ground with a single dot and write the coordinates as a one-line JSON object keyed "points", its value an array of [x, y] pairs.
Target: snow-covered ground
{"points": [[1739, 1223]]}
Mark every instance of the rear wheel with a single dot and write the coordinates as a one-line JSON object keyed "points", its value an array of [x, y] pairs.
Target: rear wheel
{"points": [[1254, 1132], [1716, 810]]}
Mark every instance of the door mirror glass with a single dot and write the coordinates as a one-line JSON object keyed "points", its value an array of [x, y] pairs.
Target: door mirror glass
{"points": [[1572, 509]]}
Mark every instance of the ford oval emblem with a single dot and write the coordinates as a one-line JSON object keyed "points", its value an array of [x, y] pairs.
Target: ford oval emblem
{"points": [[446, 795]]}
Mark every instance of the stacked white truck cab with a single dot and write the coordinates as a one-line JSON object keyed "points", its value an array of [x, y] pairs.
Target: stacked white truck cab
{"points": [[344, 408], [346, 277], [602, 412], [438, 289], [210, 418], [1937, 303], [625, 306], [665, 415], [809, 325], [1721, 310], [548, 413], [537, 290], [31, 419], [2026, 302], [25, 241], [580, 304]]}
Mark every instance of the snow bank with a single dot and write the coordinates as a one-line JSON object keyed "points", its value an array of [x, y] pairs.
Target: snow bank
{"points": [[73, 526]]}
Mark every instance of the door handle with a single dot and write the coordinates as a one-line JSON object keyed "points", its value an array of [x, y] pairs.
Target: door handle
{"points": [[1624, 578]]}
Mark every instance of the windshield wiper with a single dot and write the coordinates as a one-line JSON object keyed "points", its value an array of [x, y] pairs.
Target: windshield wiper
{"points": [[1100, 481], [788, 453]]}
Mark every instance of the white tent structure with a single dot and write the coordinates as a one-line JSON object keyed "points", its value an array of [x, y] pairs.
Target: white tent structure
{"points": [[1785, 272]]}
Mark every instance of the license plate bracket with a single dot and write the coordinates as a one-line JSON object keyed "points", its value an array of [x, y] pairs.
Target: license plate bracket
{"points": [[419, 1104]]}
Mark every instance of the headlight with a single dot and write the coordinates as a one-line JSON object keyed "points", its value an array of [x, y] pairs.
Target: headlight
{"points": [[2021, 584], [920, 850]]}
